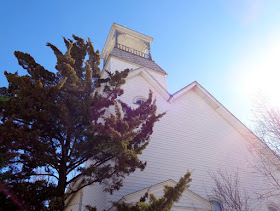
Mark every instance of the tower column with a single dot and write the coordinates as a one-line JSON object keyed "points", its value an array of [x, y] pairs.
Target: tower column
{"points": [[116, 38]]}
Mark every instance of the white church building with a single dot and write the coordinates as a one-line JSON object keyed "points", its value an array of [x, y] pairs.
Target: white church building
{"points": [[197, 134]]}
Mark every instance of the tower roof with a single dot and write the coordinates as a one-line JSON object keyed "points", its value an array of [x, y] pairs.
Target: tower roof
{"points": [[136, 59]]}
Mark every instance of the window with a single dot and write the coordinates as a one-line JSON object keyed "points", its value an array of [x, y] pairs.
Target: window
{"points": [[271, 209], [217, 205], [139, 100]]}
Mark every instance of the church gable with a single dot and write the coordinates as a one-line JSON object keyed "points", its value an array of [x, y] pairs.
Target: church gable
{"points": [[188, 200], [138, 84], [200, 91], [193, 112], [216, 105], [192, 135]]}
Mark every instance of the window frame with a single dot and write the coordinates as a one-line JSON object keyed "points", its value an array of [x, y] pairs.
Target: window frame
{"points": [[139, 98], [216, 200], [273, 207]]}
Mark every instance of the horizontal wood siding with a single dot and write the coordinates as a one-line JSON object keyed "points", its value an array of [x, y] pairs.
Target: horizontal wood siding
{"points": [[191, 136], [73, 205], [94, 195], [120, 65]]}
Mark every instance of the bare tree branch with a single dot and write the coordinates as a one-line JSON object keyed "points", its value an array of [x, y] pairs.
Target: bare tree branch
{"points": [[267, 152], [228, 191]]}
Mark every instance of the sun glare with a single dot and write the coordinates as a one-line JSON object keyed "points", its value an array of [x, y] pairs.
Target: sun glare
{"points": [[265, 81], [263, 74]]}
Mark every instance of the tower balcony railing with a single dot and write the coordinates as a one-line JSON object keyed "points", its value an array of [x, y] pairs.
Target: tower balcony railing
{"points": [[133, 51]]}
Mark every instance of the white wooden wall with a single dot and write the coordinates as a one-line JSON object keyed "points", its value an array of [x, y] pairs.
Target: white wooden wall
{"points": [[191, 136]]}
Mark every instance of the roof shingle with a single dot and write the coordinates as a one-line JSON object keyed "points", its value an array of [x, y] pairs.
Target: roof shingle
{"points": [[136, 59]]}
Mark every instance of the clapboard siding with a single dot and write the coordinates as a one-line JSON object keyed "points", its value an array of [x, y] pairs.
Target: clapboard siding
{"points": [[191, 136], [94, 195], [73, 204], [118, 64]]}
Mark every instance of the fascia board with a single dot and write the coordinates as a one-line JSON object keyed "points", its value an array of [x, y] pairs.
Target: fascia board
{"points": [[181, 92], [133, 33], [225, 113], [151, 80], [154, 188], [149, 189], [208, 98], [217, 106], [109, 37], [75, 185]]}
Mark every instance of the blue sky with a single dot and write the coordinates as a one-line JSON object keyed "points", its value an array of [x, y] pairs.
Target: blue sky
{"points": [[231, 47]]}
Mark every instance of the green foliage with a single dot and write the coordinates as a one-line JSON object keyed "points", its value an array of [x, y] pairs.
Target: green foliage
{"points": [[4, 94], [90, 208], [4, 99], [164, 203], [53, 122], [22, 195]]}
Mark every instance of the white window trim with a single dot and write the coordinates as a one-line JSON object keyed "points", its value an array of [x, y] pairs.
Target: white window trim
{"points": [[272, 205]]}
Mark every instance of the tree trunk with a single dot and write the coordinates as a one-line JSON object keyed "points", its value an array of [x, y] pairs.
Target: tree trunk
{"points": [[62, 180]]}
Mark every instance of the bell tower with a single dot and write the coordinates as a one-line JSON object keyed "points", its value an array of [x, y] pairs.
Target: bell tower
{"points": [[125, 48]]}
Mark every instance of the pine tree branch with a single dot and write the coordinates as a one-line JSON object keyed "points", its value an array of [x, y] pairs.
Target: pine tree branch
{"points": [[51, 175], [96, 165], [90, 183], [75, 165]]}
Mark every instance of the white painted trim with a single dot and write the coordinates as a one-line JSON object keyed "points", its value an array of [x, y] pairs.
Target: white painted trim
{"points": [[216, 105], [181, 92], [73, 185], [273, 205], [150, 79]]}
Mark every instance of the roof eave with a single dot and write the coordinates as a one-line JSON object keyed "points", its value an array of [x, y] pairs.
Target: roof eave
{"points": [[217, 106]]}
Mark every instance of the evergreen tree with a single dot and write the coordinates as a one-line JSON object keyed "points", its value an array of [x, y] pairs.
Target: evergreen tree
{"points": [[3, 94], [53, 122], [164, 203]]}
